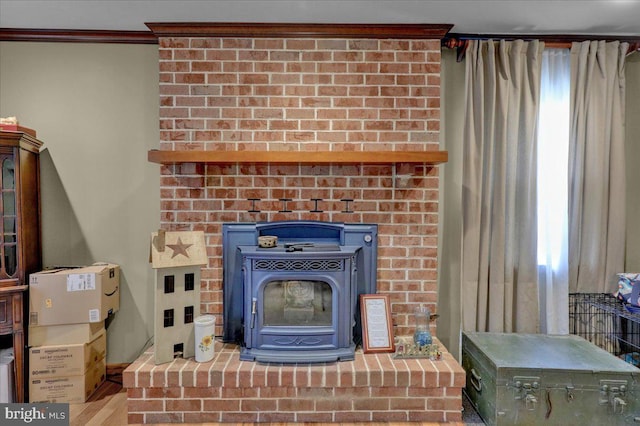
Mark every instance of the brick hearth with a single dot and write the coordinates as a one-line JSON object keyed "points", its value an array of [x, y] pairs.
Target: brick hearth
{"points": [[373, 388]]}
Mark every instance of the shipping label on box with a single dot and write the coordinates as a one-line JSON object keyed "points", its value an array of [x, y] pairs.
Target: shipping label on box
{"points": [[69, 389], [66, 360], [47, 335], [81, 282], [74, 295]]}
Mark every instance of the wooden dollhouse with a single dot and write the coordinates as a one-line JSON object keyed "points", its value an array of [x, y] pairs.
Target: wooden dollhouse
{"points": [[177, 258]]}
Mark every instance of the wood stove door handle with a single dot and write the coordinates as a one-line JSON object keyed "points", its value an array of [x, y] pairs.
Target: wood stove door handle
{"points": [[254, 311], [476, 380]]}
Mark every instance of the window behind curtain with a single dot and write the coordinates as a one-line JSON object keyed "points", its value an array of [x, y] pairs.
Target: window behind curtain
{"points": [[553, 151], [552, 173]]}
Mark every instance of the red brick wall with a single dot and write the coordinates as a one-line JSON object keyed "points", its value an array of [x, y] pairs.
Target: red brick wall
{"points": [[289, 94]]}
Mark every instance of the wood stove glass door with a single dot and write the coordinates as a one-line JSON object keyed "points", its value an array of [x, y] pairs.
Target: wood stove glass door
{"points": [[297, 303]]}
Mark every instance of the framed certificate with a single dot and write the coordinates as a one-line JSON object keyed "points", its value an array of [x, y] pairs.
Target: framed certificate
{"points": [[377, 328]]}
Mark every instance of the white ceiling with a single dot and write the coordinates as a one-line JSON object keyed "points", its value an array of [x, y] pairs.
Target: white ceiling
{"points": [[592, 17]]}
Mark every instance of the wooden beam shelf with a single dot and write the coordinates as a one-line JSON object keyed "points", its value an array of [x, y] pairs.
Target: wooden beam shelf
{"points": [[301, 157]]}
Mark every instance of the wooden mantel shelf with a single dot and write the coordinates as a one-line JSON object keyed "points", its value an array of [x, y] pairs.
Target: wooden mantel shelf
{"points": [[301, 157]]}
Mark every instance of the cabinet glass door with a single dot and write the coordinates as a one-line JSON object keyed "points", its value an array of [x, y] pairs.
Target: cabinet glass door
{"points": [[8, 234]]}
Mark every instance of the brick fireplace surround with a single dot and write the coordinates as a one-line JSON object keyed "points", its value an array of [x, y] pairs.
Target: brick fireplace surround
{"points": [[252, 87]]}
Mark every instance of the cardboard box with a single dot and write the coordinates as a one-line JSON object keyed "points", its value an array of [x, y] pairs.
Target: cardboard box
{"points": [[6, 376], [66, 360], [64, 334], [68, 389], [74, 295]]}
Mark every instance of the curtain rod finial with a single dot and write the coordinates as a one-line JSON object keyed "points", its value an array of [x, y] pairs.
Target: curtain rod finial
{"points": [[458, 44]]}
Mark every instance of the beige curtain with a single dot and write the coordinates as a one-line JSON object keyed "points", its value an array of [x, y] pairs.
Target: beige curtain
{"points": [[499, 265], [596, 166]]}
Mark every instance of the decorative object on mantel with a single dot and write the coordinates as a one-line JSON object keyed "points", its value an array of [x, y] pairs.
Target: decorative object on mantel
{"points": [[9, 121], [347, 208], [377, 326], [407, 349], [302, 157], [420, 345], [285, 208], [10, 124], [177, 258], [422, 334], [205, 333], [267, 241]]}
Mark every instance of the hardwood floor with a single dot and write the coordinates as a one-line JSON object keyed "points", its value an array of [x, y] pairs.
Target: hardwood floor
{"points": [[106, 407]]}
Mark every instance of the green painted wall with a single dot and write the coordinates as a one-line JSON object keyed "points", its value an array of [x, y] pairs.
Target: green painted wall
{"points": [[95, 107]]}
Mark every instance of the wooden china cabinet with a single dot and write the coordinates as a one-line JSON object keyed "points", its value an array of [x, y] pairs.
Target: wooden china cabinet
{"points": [[20, 244]]}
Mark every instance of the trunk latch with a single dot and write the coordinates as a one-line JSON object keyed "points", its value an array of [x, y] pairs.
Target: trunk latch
{"points": [[527, 390]]}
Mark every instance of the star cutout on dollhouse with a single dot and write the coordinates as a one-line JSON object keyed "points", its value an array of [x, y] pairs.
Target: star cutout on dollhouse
{"points": [[179, 248]]}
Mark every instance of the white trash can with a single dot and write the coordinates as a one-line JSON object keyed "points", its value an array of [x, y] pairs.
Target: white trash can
{"points": [[204, 336]]}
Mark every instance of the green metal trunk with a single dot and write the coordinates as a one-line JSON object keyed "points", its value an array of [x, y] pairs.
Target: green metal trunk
{"points": [[535, 379]]}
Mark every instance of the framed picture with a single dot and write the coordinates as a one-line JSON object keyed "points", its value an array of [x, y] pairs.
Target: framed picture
{"points": [[377, 328]]}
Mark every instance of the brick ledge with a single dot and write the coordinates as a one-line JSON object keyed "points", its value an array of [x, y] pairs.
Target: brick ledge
{"points": [[373, 387]]}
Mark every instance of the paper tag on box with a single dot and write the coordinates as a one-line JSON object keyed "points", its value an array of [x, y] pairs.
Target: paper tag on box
{"points": [[94, 315], [81, 282]]}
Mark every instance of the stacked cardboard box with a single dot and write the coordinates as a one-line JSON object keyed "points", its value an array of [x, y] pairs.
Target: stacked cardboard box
{"points": [[67, 338], [74, 295], [68, 372]]}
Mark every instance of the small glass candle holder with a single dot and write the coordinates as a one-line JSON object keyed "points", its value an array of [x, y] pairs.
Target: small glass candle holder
{"points": [[422, 334]]}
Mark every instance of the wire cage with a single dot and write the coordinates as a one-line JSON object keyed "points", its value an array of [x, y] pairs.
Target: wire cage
{"points": [[605, 321]]}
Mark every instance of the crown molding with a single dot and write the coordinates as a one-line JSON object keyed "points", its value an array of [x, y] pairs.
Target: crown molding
{"points": [[282, 30], [78, 36]]}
